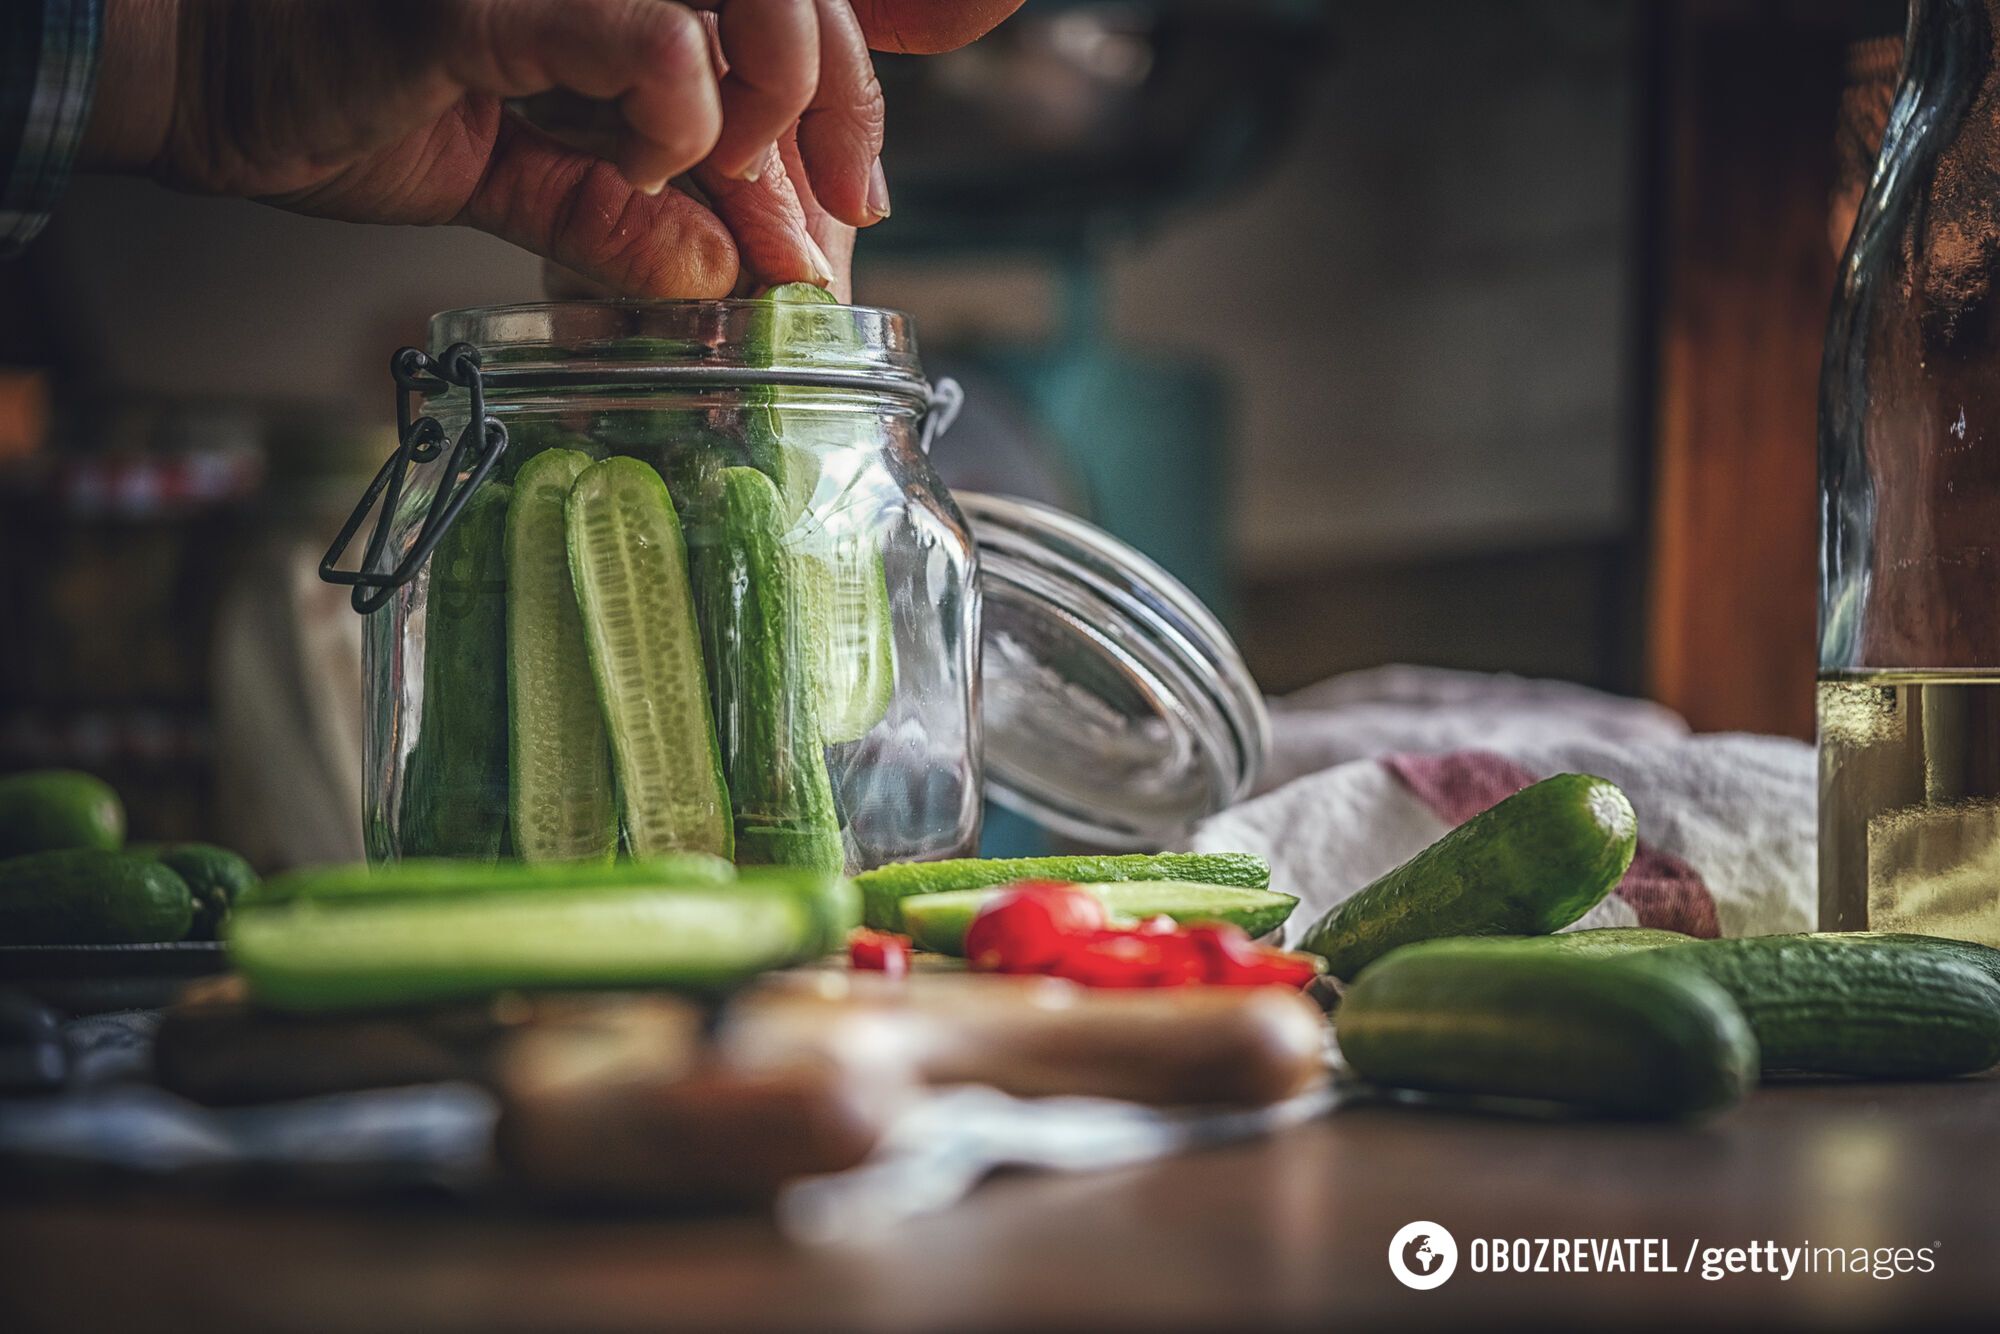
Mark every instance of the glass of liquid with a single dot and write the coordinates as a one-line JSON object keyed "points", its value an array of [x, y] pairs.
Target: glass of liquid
{"points": [[1909, 691]]}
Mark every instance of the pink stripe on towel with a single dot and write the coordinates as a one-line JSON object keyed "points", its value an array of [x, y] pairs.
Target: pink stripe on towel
{"points": [[1664, 891]]}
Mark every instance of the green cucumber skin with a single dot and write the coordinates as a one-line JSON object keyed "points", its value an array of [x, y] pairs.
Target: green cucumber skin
{"points": [[842, 594], [1611, 941], [696, 817], [563, 805], [766, 700], [938, 922], [883, 888], [450, 936], [1982, 957], [1530, 865], [50, 809], [433, 877], [528, 438], [313, 955], [1597, 942], [91, 896], [1623, 1037], [216, 878], [1879, 1010], [794, 470], [833, 900], [454, 801]]}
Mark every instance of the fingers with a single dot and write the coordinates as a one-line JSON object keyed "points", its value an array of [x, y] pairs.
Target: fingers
{"points": [[771, 50], [682, 100], [675, 111], [835, 238], [840, 135], [581, 213], [768, 220], [790, 59], [651, 56], [781, 63], [925, 27]]}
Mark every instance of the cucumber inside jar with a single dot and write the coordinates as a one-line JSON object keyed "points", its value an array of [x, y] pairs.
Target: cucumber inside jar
{"points": [[454, 797], [564, 806], [804, 441], [629, 564], [759, 623]]}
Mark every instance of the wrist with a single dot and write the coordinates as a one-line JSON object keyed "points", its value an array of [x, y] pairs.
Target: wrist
{"points": [[133, 106]]}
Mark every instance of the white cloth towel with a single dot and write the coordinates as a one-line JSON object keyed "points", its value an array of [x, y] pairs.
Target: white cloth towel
{"points": [[1369, 769]]}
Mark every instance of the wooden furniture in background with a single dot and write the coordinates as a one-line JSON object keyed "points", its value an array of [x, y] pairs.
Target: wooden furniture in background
{"points": [[1750, 100]]}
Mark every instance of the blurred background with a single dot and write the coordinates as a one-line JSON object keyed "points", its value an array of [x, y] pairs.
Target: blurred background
{"points": [[1443, 331]]}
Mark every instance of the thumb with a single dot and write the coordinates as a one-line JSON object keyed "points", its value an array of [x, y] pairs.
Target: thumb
{"points": [[774, 242], [578, 211]]}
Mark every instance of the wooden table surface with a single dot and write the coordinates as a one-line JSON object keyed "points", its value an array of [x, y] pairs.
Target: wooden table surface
{"points": [[1291, 1232]]}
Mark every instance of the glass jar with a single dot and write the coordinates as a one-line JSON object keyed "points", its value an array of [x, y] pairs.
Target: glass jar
{"points": [[695, 586], [1909, 693]]}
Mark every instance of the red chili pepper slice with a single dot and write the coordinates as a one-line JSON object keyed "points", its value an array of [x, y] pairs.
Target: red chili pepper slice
{"points": [[1027, 927], [1287, 969], [1224, 949], [1232, 960], [1118, 958], [1050, 927], [879, 951]]}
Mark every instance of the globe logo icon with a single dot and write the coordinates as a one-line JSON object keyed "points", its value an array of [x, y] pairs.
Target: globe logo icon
{"points": [[1422, 1255]]}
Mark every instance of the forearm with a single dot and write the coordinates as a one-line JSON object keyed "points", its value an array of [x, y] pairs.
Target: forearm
{"points": [[135, 86]]}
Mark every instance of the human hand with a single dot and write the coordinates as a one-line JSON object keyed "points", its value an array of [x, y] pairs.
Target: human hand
{"points": [[379, 111], [762, 212]]}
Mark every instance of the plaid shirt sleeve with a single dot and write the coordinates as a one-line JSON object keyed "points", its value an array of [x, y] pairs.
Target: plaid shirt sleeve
{"points": [[48, 66]]}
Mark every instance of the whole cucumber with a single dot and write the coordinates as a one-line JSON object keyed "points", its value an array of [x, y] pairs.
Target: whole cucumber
{"points": [[1619, 1036], [88, 896], [49, 809], [1874, 1009], [1529, 866]]}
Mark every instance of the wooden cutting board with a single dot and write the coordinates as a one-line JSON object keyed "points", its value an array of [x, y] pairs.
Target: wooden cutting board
{"points": [[653, 1096]]}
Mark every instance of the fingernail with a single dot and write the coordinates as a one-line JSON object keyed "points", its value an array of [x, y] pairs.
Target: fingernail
{"points": [[751, 172], [822, 266], [650, 188], [878, 191]]}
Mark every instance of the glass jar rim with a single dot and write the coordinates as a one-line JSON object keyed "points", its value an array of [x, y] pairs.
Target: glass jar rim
{"points": [[728, 341]]}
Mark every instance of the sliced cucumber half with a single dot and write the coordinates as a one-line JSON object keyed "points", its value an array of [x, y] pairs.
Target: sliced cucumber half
{"points": [[313, 956], [629, 566], [564, 807], [939, 921]]}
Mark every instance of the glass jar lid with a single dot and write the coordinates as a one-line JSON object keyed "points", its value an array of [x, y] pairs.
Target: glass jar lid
{"points": [[1115, 707]]}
